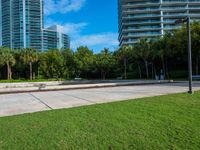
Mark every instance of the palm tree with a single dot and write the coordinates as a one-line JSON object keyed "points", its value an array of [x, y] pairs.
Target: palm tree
{"points": [[124, 54], [29, 56], [104, 62], [144, 53], [135, 56], [7, 58], [159, 52]]}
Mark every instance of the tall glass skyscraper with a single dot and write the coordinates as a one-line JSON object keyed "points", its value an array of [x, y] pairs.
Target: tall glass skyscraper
{"points": [[152, 18], [21, 24]]}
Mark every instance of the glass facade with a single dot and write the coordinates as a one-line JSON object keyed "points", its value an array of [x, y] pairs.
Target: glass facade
{"points": [[21, 25], [54, 39], [152, 18], [50, 40], [6, 24], [34, 21]]}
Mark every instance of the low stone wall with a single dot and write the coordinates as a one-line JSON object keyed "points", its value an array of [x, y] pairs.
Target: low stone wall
{"points": [[76, 82], [29, 84]]}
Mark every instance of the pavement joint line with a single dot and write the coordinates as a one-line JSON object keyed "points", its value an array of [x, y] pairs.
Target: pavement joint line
{"points": [[77, 97], [41, 101]]}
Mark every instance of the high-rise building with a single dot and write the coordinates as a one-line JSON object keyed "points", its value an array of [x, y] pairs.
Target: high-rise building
{"points": [[21, 24], [54, 38], [152, 18]]}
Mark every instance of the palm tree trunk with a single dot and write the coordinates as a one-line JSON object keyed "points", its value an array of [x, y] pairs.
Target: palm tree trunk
{"points": [[125, 68], [155, 71], [163, 65], [38, 73], [8, 70], [197, 65], [152, 67], [10, 73], [31, 71], [140, 72], [103, 73], [147, 69], [167, 69]]}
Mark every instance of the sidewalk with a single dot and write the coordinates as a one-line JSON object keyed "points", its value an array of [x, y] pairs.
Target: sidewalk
{"points": [[20, 103], [6, 88]]}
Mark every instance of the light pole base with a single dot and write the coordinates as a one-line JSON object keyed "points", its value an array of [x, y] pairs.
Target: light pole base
{"points": [[190, 92]]}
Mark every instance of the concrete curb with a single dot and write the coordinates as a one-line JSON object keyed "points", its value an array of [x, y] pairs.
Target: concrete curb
{"points": [[80, 86]]}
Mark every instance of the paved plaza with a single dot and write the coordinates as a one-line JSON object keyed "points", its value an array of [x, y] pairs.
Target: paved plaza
{"points": [[13, 104]]}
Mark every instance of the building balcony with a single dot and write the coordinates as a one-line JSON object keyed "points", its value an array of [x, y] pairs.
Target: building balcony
{"points": [[140, 23], [141, 29], [142, 35], [140, 17], [140, 4]]}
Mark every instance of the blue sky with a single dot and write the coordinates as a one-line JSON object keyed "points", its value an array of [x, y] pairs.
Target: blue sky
{"points": [[91, 23]]}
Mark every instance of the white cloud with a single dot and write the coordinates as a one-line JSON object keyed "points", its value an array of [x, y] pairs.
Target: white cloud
{"points": [[94, 41], [100, 41], [62, 6], [72, 29]]}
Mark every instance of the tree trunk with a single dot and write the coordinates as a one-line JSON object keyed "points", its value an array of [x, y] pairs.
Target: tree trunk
{"points": [[103, 74], [8, 70], [140, 72], [163, 66], [125, 68], [155, 71], [167, 70], [10, 73], [38, 73], [31, 71], [147, 69], [197, 65], [152, 71]]}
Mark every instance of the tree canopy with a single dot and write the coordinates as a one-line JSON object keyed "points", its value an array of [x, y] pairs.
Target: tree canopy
{"points": [[166, 55]]}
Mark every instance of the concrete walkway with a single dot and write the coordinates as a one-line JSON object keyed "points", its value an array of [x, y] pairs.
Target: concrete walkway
{"points": [[6, 88], [12, 104]]}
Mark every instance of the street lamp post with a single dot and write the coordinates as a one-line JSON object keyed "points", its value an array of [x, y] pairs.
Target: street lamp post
{"points": [[187, 20]]}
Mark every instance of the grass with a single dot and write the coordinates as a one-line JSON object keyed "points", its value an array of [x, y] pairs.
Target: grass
{"points": [[166, 122]]}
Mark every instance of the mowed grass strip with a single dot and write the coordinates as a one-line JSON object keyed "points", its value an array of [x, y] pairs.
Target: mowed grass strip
{"points": [[165, 122]]}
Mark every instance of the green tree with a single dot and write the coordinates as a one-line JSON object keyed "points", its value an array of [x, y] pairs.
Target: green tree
{"points": [[7, 58], [84, 59], [105, 61], [69, 62], [195, 34], [144, 52], [134, 55], [29, 56], [51, 64], [123, 54], [179, 48], [163, 49]]}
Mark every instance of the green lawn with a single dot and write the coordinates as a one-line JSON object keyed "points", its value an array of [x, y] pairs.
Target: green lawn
{"points": [[158, 123]]}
